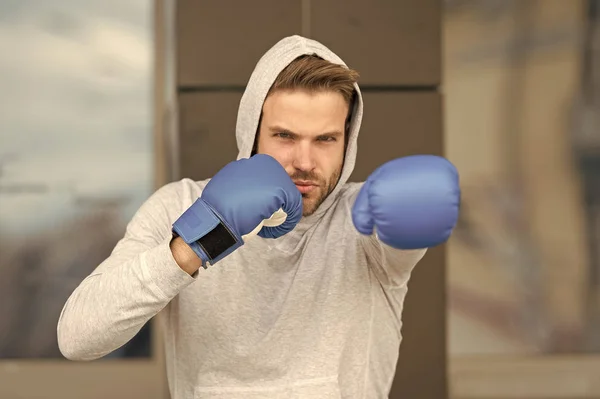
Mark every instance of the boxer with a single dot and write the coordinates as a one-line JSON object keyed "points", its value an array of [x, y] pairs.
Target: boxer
{"points": [[276, 277]]}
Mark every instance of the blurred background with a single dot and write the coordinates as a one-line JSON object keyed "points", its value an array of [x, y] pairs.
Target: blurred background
{"points": [[522, 85], [75, 153], [521, 114]]}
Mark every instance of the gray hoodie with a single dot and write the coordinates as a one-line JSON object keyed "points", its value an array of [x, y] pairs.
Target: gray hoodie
{"points": [[313, 314]]}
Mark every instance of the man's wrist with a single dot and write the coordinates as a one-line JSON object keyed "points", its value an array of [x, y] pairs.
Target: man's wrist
{"points": [[185, 256]]}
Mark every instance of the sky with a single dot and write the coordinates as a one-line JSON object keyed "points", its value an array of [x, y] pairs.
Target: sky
{"points": [[75, 105]]}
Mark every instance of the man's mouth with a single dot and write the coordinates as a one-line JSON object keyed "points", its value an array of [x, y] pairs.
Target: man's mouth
{"points": [[305, 187]]}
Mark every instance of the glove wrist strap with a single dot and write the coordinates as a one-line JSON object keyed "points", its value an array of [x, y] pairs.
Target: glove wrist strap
{"points": [[207, 233]]}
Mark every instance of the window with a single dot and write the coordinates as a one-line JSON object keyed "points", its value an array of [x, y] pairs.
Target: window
{"points": [[76, 155]]}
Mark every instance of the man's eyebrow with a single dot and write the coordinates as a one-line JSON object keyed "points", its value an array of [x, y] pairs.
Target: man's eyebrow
{"points": [[333, 133], [279, 129]]}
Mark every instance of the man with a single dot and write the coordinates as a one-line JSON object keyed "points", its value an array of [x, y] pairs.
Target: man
{"points": [[278, 278]]}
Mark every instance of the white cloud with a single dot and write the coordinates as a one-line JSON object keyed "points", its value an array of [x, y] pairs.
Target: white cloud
{"points": [[98, 83], [75, 100]]}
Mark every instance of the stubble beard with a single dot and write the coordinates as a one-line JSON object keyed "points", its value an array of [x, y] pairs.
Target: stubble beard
{"points": [[312, 201]]}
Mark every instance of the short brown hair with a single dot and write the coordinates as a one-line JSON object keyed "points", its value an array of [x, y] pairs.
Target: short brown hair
{"points": [[313, 73]]}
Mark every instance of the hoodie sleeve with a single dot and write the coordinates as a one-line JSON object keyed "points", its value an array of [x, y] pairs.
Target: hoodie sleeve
{"points": [[132, 285], [392, 266]]}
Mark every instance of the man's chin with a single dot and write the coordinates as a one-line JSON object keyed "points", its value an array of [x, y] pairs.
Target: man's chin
{"points": [[310, 204]]}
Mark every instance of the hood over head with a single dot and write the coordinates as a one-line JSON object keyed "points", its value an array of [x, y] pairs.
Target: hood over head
{"points": [[275, 60]]}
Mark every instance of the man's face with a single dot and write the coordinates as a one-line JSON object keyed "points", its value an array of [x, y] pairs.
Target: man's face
{"points": [[304, 131]]}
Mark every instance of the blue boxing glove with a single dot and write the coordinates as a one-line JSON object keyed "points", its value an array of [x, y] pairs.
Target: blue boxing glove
{"points": [[235, 203], [412, 202]]}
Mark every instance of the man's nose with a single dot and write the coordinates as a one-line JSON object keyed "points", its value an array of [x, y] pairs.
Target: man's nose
{"points": [[303, 157]]}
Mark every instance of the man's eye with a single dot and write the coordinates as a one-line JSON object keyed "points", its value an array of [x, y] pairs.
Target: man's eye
{"points": [[284, 135], [327, 138]]}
